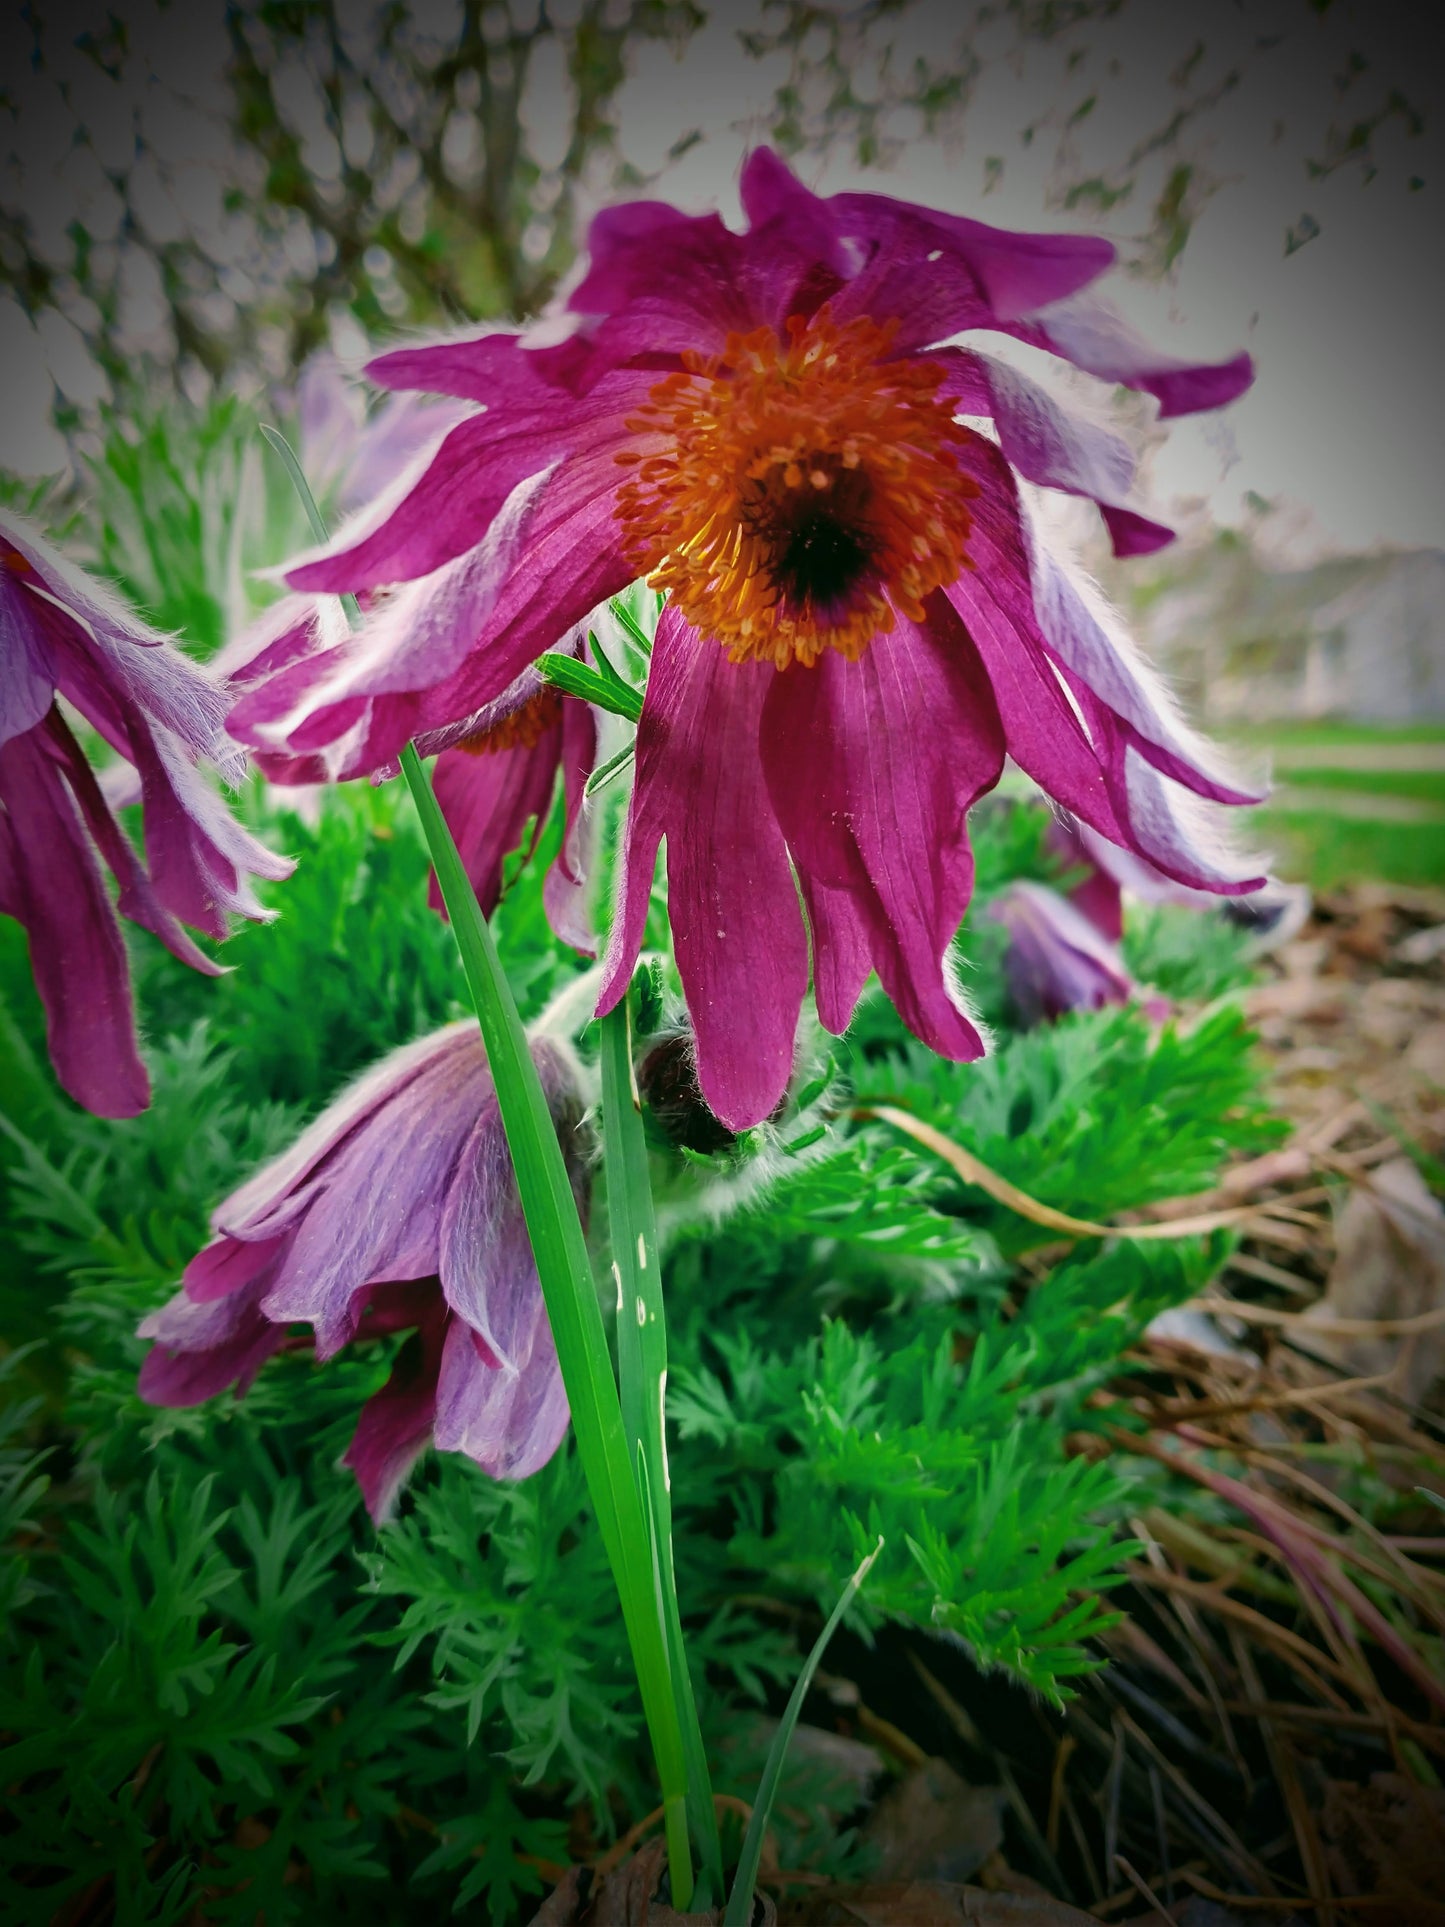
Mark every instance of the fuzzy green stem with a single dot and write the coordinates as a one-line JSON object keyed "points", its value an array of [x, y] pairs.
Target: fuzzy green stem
{"points": [[642, 1371]]}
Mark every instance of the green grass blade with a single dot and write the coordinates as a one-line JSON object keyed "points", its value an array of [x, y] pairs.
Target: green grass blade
{"points": [[740, 1900], [560, 1250], [642, 1370], [308, 502]]}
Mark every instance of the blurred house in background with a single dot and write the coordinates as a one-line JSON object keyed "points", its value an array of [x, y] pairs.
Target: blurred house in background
{"points": [[1245, 641]]}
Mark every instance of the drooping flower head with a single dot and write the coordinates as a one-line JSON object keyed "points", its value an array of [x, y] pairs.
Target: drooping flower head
{"points": [[861, 621], [62, 635], [397, 1210]]}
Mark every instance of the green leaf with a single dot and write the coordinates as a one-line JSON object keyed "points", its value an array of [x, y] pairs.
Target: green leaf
{"points": [[605, 691]]}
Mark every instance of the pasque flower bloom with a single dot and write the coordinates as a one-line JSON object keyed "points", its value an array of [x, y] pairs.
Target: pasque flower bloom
{"points": [[61, 634], [396, 1210], [861, 622]]}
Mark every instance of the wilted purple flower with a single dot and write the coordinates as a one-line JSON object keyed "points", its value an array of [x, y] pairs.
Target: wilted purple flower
{"points": [[396, 1210], [1057, 960], [861, 622], [61, 634]]}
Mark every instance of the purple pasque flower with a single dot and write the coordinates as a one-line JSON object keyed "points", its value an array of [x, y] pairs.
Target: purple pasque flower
{"points": [[395, 1210], [1057, 959], [861, 621], [62, 635]]}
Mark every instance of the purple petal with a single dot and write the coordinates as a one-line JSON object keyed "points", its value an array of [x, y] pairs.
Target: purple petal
{"points": [[509, 1421], [741, 948], [106, 661], [161, 712], [1049, 445], [1087, 332], [138, 900], [51, 882], [202, 1347], [666, 281], [293, 628], [437, 516], [395, 1426], [494, 369], [871, 766], [199, 855], [488, 630], [372, 1211], [227, 1265], [936, 273], [27, 679], [1094, 651], [485, 1256], [434, 517], [488, 800], [1042, 726], [272, 1200], [1132, 533], [1057, 961], [1057, 673], [565, 892], [416, 638], [1181, 837]]}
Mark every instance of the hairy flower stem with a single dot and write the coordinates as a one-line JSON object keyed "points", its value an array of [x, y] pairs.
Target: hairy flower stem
{"points": [[642, 1371], [559, 1247]]}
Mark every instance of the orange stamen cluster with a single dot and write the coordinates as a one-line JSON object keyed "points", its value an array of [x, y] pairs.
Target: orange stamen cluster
{"points": [[524, 728], [795, 491]]}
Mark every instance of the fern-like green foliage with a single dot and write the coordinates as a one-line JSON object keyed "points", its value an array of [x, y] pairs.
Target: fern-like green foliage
{"points": [[1093, 1115], [1183, 953], [223, 1694]]}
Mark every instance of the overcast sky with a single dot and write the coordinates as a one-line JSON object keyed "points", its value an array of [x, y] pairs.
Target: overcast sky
{"points": [[1346, 423]]}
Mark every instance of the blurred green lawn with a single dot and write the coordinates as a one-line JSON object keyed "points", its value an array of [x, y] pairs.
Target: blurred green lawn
{"points": [[1324, 846]]}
